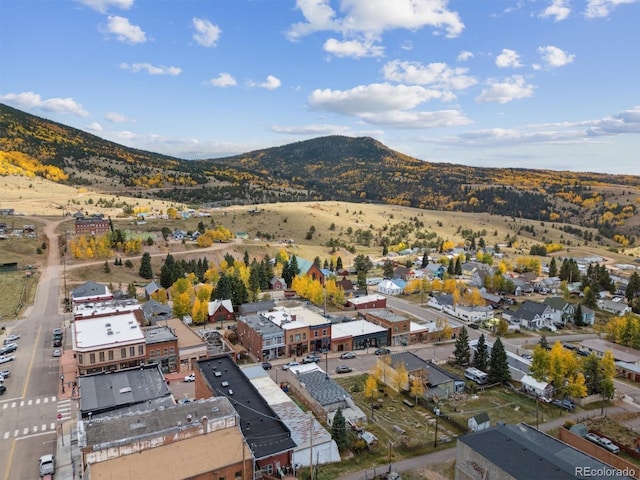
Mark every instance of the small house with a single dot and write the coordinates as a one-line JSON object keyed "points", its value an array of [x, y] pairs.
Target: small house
{"points": [[479, 422], [533, 387]]}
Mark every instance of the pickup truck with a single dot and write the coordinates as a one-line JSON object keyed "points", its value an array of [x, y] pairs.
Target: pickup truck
{"points": [[608, 444], [311, 359]]}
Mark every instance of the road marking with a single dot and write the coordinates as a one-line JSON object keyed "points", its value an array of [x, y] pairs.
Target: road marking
{"points": [[7, 467], [35, 428], [53, 425], [46, 399], [4, 407], [6, 435], [53, 399], [44, 426], [16, 433], [13, 404], [22, 403], [25, 431], [30, 402], [37, 401], [33, 359]]}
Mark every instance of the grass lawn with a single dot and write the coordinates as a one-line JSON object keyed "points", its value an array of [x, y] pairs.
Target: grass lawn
{"points": [[17, 291]]}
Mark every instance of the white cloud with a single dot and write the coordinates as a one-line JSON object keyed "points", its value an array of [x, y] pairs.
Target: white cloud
{"points": [[271, 83], [386, 104], [373, 98], [602, 8], [95, 127], [151, 69], [373, 17], [352, 48], [103, 5], [114, 117], [31, 100], [627, 121], [223, 80], [558, 9], [554, 56], [436, 74], [311, 129], [207, 34], [464, 56], [512, 88], [508, 59], [124, 31]]}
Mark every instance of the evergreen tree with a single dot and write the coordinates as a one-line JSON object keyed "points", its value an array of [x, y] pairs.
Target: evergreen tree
{"points": [[481, 356], [387, 269], [451, 269], [633, 287], [577, 316], [107, 268], [553, 267], [201, 228], [167, 272], [229, 259], [498, 365], [385, 250], [223, 289], [246, 258], [339, 263], [590, 300], [131, 291], [239, 291], [472, 244], [462, 351], [317, 262], [339, 430], [458, 267], [425, 260], [325, 265], [254, 280], [544, 344], [481, 243], [145, 266]]}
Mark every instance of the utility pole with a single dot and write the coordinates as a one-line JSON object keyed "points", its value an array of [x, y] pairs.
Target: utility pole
{"points": [[435, 436]]}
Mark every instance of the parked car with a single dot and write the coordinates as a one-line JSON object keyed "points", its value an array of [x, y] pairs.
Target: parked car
{"points": [[343, 369], [7, 358], [5, 373], [190, 378], [474, 326], [47, 465], [526, 356], [2, 389], [287, 366], [593, 437], [565, 404], [311, 359], [57, 353], [569, 346], [11, 338], [382, 351], [266, 365], [609, 445], [347, 355], [8, 348]]}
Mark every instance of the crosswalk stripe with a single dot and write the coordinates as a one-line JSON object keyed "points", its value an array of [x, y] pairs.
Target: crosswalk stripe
{"points": [[30, 402], [53, 399], [6, 435], [37, 401], [4, 407], [35, 428], [16, 433], [25, 431], [44, 427], [22, 403], [13, 404], [46, 399], [52, 426]]}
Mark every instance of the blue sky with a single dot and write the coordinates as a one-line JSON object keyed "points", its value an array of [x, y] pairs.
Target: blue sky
{"points": [[497, 83]]}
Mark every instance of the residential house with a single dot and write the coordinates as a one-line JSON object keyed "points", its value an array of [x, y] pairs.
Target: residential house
{"points": [[563, 312], [479, 422], [533, 387], [435, 270], [150, 289], [256, 307], [620, 353], [437, 381], [389, 287], [531, 315], [90, 292], [277, 283], [405, 273], [221, 311], [266, 434], [617, 308], [519, 451], [588, 316], [155, 312]]}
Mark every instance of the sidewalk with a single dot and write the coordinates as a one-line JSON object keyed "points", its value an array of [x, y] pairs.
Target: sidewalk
{"points": [[68, 459]]}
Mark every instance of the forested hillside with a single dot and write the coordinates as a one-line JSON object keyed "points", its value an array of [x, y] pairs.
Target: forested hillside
{"points": [[340, 168]]}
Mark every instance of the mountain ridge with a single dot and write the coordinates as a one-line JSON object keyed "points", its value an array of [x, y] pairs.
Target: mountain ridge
{"points": [[359, 169]]}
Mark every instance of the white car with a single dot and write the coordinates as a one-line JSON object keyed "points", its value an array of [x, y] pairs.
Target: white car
{"points": [[609, 445], [287, 366], [190, 378], [47, 465], [7, 358], [11, 338], [593, 437]]}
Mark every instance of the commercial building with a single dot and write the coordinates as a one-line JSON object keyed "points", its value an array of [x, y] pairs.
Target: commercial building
{"points": [[162, 347], [358, 335]]}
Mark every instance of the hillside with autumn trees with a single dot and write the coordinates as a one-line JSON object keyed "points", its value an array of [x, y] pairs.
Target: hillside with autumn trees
{"points": [[326, 168]]}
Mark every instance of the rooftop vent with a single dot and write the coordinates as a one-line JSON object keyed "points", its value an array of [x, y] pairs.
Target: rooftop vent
{"points": [[217, 374], [107, 325], [225, 384], [125, 390], [189, 417]]}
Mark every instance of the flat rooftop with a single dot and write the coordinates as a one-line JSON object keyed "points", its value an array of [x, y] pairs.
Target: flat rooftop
{"points": [[354, 329], [306, 316], [387, 315], [102, 332], [365, 299], [158, 334], [261, 324], [108, 307]]}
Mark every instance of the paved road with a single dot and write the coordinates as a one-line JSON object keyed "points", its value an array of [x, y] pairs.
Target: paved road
{"points": [[29, 408]]}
